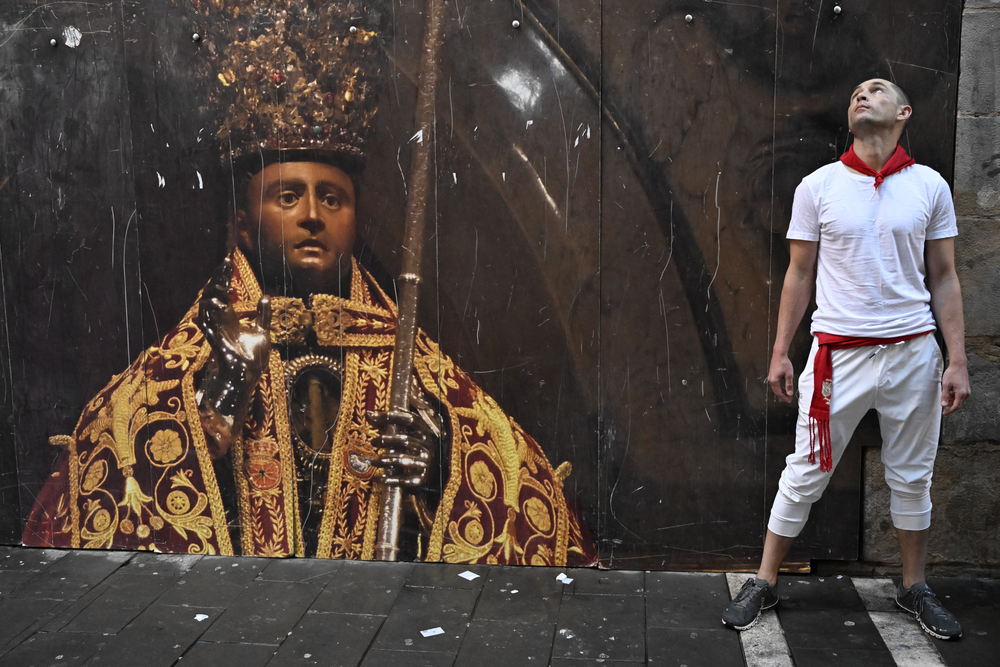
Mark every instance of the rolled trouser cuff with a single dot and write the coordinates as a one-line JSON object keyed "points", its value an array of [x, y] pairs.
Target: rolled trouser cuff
{"points": [[788, 516], [910, 511]]}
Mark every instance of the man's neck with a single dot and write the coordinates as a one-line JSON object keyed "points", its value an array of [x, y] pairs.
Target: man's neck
{"points": [[875, 150]]}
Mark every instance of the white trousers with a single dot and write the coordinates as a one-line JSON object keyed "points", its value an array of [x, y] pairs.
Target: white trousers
{"points": [[902, 382]]}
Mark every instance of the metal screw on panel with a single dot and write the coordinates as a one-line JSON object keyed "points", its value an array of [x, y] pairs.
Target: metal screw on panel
{"points": [[515, 24], [689, 18], [195, 37], [837, 9], [354, 29], [53, 42]]}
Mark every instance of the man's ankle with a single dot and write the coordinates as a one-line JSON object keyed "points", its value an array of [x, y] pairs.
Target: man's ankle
{"points": [[771, 580]]}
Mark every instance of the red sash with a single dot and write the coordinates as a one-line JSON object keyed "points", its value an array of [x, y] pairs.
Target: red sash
{"points": [[819, 408]]}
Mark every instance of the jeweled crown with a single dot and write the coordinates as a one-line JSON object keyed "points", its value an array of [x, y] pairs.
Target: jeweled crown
{"points": [[291, 74]]}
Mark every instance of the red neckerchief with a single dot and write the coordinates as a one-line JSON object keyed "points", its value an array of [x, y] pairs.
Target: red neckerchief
{"points": [[819, 408], [899, 160]]}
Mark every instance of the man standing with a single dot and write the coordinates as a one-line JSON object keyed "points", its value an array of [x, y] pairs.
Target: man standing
{"points": [[877, 232]]}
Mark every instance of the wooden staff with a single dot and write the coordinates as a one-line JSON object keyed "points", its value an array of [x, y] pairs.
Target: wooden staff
{"points": [[387, 546]]}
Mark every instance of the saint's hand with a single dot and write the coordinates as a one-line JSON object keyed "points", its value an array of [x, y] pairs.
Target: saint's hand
{"points": [[240, 356], [406, 457]]}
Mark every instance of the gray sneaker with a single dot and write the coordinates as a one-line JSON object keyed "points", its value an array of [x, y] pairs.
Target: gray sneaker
{"points": [[744, 611], [920, 601]]}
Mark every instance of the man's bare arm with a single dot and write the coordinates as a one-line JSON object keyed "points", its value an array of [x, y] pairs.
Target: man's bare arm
{"points": [[795, 295], [946, 303]]}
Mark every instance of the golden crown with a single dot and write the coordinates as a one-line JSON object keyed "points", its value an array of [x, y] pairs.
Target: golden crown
{"points": [[291, 74]]}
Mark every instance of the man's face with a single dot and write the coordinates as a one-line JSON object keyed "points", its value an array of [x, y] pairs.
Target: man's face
{"points": [[874, 106], [299, 224]]}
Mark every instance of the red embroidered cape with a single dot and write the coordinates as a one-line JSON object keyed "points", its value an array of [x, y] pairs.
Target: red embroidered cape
{"points": [[137, 472]]}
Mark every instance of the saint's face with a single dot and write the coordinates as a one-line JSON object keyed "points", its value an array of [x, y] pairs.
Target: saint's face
{"points": [[874, 105], [298, 229]]}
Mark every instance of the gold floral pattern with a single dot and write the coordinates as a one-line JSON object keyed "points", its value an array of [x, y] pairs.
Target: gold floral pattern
{"points": [[166, 447]]}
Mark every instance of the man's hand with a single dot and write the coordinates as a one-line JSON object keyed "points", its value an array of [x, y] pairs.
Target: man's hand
{"points": [[406, 458], [241, 354], [781, 377], [954, 388]]}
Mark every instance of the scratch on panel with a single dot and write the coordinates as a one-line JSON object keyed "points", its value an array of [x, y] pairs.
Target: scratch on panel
{"points": [[562, 118], [718, 242], [472, 280]]}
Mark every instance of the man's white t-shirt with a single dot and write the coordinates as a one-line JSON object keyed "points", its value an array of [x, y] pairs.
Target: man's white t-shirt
{"points": [[870, 268]]}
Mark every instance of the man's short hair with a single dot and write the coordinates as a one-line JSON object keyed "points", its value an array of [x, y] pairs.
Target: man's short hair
{"points": [[901, 96]]}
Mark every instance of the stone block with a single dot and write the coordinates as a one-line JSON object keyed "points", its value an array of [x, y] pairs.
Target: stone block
{"points": [[965, 521], [979, 83], [977, 254], [982, 4], [977, 166], [978, 419]]}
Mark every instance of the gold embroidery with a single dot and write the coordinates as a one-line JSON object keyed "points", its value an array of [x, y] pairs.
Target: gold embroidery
{"points": [[538, 515], [95, 476], [218, 512], [182, 348], [192, 519], [165, 447], [463, 550], [118, 423], [103, 523], [483, 481]]}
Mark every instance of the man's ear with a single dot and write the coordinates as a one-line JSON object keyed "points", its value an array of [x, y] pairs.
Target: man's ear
{"points": [[905, 112]]}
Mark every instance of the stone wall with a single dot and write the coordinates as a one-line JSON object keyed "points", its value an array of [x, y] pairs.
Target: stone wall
{"points": [[965, 529]]}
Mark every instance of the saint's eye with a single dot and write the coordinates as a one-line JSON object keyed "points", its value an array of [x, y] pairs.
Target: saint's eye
{"points": [[331, 200], [288, 198]]}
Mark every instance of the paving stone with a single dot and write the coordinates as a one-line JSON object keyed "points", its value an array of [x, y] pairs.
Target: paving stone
{"points": [[601, 626], [17, 615], [156, 638], [830, 628], [419, 609], [506, 644], [122, 601], [603, 582], [693, 647], [67, 610], [29, 560], [363, 588], [976, 605], [214, 582], [387, 658], [161, 564], [264, 613], [685, 600], [826, 657], [439, 575], [54, 649], [211, 654], [301, 570], [536, 598], [569, 662], [71, 576], [331, 640], [798, 592], [12, 579]]}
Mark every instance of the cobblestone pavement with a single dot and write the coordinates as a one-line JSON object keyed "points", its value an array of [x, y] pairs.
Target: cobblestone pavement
{"points": [[71, 608]]}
